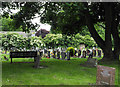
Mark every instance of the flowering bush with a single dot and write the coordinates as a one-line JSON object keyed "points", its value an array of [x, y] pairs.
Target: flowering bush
{"points": [[71, 50]]}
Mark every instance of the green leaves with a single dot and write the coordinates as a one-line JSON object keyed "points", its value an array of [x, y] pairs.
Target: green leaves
{"points": [[50, 41], [7, 25]]}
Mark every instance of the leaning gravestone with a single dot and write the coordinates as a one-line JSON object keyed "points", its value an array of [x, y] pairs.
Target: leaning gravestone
{"points": [[91, 62], [105, 75]]}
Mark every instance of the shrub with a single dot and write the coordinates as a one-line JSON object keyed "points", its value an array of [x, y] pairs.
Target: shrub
{"points": [[71, 50]]}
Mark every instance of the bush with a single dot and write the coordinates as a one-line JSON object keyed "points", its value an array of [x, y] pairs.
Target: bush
{"points": [[71, 50]]}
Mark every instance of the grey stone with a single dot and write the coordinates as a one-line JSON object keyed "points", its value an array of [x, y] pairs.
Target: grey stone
{"points": [[105, 75], [68, 55]]}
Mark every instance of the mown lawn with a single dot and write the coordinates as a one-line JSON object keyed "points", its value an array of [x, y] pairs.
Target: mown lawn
{"points": [[58, 72]]}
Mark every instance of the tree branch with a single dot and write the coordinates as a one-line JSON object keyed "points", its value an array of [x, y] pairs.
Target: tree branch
{"points": [[93, 31]]}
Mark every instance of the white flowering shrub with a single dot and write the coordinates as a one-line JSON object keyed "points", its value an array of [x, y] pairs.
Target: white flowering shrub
{"points": [[50, 41]]}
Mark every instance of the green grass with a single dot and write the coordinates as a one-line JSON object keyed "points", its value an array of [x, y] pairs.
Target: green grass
{"points": [[58, 72]]}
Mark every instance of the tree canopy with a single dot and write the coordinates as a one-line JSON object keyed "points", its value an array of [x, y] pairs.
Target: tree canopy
{"points": [[69, 18]]}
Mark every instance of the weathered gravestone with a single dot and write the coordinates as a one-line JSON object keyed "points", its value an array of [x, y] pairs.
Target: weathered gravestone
{"points": [[99, 53], [68, 55], [87, 52], [94, 53], [63, 54], [84, 54], [105, 75], [58, 54], [54, 54], [75, 52], [79, 53], [45, 51], [91, 62]]}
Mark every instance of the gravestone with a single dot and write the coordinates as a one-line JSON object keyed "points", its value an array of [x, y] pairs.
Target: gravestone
{"points": [[79, 53], [84, 54], [45, 51], [91, 62], [105, 75], [48, 54], [87, 52], [63, 54], [54, 53], [94, 53], [99, 53], [58, 54], [68, 55], [75, 52]]}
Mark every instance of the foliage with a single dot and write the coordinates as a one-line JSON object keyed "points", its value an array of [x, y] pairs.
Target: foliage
{"points": [[36, 42], [53, 40], [87, 40], [71, 50], [10, 40], [7, 25]]}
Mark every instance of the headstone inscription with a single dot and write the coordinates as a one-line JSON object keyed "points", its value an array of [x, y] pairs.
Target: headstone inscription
{"points": [[68, 55], [105, 75]]}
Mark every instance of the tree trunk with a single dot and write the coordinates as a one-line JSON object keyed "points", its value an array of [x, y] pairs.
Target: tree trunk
{"points": [[108, 53], [106, 45], [115, 34]]}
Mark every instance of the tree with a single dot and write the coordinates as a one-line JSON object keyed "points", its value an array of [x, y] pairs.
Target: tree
{"points": [[69, 18], [73, 16], [7, 25]]}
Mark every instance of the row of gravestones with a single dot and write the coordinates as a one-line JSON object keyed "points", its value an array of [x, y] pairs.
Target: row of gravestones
{"points": [[64, 54], [86, 53]]}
